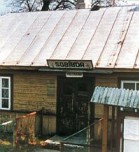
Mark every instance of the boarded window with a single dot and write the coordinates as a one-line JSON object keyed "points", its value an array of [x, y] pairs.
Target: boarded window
{"points": [[50, 88]]}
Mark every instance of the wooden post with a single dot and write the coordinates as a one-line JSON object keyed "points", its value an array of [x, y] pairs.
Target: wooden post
{"points": [[88, 140], [41, 124], [119, 119], [61, 146], [105, 129], [112, 128]]}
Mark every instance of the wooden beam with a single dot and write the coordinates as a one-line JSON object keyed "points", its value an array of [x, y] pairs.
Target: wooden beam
{"points": [[112, 128], [105, 129]]}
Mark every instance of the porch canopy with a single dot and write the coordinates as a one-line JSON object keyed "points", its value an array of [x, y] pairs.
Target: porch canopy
{"points": [[116, 97]]}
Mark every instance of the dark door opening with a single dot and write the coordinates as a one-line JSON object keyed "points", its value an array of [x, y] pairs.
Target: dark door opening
{"points": [[73, 109]]}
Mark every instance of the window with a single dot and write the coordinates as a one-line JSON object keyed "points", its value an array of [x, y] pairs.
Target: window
{"points": [[5, 93], [131, 85]]}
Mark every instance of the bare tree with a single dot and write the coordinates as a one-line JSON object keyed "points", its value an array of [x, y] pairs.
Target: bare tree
{"points": [[46, 4], [26, 5], [62, 4]]}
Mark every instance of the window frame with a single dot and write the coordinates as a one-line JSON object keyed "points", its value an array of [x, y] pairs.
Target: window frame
{"points": [[129, 81], [9, 92]]}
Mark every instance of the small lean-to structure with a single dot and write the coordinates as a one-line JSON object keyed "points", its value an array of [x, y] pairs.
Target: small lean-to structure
{"points": [[125, 103], [54, 60]]}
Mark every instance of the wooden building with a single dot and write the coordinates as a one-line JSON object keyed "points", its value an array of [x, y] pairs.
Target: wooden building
{"points": [[53, 61]]}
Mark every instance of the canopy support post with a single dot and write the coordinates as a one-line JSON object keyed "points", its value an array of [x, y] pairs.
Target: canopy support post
{"points": [[105, 129]]}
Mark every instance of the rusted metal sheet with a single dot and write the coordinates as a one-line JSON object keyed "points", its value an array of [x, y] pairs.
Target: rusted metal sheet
{"points": [[109, 37], [116, 97], [129, 49], [51, 44], [87, 33], [71, 35], [8, 52]]}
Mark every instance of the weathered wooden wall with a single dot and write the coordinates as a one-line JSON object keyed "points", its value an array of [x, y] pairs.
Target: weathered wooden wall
{"points": [[104, 81], [33, 91]]}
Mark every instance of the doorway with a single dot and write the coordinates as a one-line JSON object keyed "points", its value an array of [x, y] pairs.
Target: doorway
{"points": [[131, 134], [73, 104], [128, 130]]}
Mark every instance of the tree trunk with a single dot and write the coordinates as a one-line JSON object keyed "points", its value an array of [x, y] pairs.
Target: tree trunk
{"points": [[45, 6]]}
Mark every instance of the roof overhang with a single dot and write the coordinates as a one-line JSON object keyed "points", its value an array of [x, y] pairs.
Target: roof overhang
{"points": [[116, 97]]}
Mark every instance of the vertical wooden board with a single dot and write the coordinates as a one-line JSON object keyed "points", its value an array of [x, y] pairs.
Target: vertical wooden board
{"points": [[98, 110], [49, 125], [105, 130]]}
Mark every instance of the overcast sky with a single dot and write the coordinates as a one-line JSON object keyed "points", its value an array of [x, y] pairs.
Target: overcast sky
{"points": [[3, 7], [1, 4]]}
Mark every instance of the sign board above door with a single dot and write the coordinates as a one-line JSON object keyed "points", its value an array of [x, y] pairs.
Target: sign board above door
{"points": [[74, 74], [70, 64]]}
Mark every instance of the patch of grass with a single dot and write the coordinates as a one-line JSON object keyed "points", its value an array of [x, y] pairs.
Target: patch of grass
{"points": [[5, 146], [18, 148]]}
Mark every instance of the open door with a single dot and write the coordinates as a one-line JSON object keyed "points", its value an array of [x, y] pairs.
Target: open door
{"points": [[73, 111], [131, 134]]}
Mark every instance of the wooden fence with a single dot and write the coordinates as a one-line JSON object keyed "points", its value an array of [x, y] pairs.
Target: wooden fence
{"points": [[25, 129]]}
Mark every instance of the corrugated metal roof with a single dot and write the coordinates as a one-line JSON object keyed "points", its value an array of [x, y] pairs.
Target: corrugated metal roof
{"points": [[116, 97], [109, 37]]}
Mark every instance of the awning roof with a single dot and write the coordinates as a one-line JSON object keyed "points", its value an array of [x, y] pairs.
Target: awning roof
{"points": [[109, 37], [116, 97]]}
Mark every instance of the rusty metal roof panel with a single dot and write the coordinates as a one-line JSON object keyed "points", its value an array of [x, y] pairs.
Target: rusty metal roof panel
{"points": [[99, 40], [47, 23], [85, 36], [116, 97], [71, 35], [130, 46], [109, 37], [54, 39], [112, 47], [8, 54]]}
